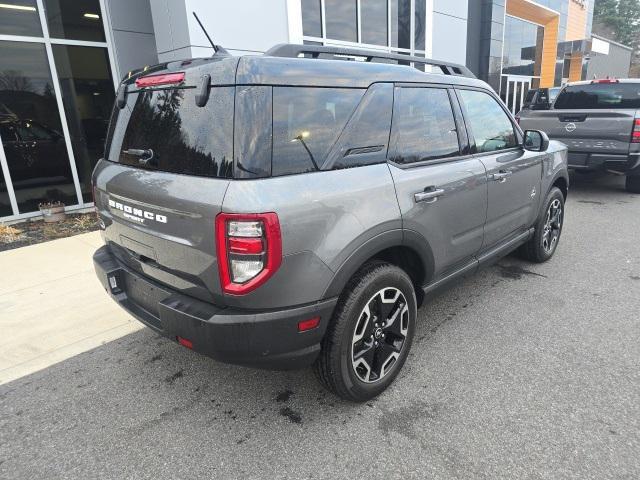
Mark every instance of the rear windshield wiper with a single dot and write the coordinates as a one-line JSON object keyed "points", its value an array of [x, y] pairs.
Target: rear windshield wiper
{"points": [[145, 155]]}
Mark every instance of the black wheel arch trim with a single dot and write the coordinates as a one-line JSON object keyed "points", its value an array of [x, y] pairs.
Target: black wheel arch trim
{"points": [[374, 246], [562, 174]]}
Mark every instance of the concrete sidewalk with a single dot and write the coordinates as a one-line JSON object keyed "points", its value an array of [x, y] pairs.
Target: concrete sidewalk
{"points": [[52, 307]]}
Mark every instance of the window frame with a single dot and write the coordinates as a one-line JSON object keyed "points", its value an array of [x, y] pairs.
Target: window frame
{"points": [[473, 149], [463, 139]]}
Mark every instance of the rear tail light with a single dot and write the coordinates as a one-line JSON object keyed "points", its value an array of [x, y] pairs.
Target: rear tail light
{"points": [[162, 79], [606, 80], [249, 250], [635, 135]]}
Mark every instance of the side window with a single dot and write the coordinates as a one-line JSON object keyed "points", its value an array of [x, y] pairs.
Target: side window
{"points": [[252, 137], [364, 140], [491, 127], [424, 126], [306, 124]]}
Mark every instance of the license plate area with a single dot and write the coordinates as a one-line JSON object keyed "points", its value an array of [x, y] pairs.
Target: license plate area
{"points": [[144, 294]]}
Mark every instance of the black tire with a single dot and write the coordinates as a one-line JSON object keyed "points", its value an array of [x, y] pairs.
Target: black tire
{"points": [[335, 367], [535, 250], [632, 184]]}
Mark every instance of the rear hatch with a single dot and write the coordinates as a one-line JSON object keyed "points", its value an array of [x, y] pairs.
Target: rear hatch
{"points": [[595, 117], [167, 166]]}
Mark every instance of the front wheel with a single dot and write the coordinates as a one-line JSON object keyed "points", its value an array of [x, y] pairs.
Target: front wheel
{"points": [[370, 334], [632, 183], [548, 228]]}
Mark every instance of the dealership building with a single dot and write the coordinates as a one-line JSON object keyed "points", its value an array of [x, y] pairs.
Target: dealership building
{"points": [[61, 61]]}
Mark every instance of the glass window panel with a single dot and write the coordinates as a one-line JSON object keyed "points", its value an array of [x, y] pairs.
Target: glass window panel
{"points": [[342, 20], [306, 124], [420, 21], [20, 17], [401, 23], [5, 205], [490, 125], [87, 95], [184, 138], [32, 131], [373, 20], [522, 47], [311, 18], [76, 20], [424, 125]]}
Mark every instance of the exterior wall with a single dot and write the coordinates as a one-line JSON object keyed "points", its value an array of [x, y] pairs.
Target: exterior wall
{"points": [[567, 26], [614, 64], [576, 21], [485, 35], [172, 34], [550, 20], [133, 39], [244, 27], [449, 17]]}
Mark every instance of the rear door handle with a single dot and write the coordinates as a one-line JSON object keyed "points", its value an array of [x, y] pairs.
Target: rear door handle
{"points": [[501, 176], [429, 195]]}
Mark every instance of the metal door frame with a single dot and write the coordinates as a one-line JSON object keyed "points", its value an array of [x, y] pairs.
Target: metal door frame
{"points": [[47, 41], [517, 79]]}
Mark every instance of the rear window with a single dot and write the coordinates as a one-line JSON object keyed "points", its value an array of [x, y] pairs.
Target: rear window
{"points": [[599, 95], [184, 138], [306, 124]]}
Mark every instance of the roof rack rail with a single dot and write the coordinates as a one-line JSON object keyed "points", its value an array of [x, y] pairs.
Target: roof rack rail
{"points": [[292, 50]]}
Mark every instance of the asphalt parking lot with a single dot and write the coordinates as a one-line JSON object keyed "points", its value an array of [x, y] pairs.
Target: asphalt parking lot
{"points": [[521, 371]]}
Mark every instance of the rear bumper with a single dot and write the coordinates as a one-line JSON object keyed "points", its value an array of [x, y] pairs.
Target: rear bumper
{"points": [[628, 164], [265, 339]]}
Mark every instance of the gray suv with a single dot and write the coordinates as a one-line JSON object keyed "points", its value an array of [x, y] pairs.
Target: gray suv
{"points": [[599, 121], [294, 208]]}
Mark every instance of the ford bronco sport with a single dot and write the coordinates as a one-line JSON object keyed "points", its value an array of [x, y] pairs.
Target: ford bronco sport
{"points": [[279, 211], [599, 120]]}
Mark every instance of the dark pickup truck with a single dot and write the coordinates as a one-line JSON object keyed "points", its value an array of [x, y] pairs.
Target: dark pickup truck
{"points": [[599, 121]]}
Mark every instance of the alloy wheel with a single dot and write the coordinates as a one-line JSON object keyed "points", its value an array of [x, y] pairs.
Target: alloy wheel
{"points": [[552, 226], [379, 335]]}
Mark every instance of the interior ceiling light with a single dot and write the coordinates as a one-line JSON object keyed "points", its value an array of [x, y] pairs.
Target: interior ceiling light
{"points": [[12, 6], [92, 15]]}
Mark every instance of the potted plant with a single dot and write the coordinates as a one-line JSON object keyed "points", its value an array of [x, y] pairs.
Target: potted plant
{"points": [[52, 211]]}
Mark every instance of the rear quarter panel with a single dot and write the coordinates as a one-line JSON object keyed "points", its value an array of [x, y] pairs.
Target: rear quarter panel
{"points": [[324, 217]]}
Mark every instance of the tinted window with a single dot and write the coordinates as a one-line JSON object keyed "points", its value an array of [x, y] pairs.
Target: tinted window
{"points": [[490, 125], [184, 138], [36, 152], [20, 17], [306, 124], [253, 132], [342, 21], [424, 126], [311, 20], [419, 25], [373, 20], [599, 95], [75, 20], [401, 23], [87, 95], [364, 141]]}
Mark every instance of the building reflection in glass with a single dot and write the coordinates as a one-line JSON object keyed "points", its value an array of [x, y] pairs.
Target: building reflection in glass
{"points": [[31, 129]]}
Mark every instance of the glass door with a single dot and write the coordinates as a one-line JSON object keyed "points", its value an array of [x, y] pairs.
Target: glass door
{"points": [[514, 91], [56, 94]]}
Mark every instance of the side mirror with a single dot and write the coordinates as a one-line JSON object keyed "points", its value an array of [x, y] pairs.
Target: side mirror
{"points": [[536, 141]]}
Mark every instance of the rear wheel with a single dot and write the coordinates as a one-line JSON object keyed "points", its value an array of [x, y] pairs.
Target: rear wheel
{"points": [[548, 228], [632, 183], [370, 334]]}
